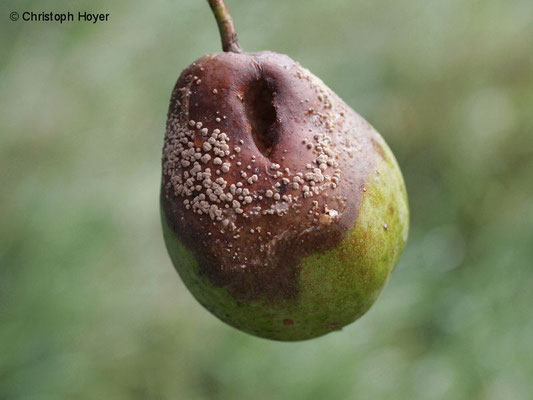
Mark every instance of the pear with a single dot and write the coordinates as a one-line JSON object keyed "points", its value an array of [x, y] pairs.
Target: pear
{"points": [[283, 210]]}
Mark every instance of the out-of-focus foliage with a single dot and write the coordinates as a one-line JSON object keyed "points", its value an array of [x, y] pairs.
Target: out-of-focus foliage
{"points": [[90, 306]]}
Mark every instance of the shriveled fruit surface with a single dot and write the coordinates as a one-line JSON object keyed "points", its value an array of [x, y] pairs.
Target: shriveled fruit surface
{"points": [[283, 210]]}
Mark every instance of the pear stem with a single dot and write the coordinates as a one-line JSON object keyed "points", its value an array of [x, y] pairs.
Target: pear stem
{"points": [[225, 26]]}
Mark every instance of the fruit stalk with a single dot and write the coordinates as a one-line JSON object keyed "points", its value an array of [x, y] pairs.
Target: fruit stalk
{"points": [[225, 26]]}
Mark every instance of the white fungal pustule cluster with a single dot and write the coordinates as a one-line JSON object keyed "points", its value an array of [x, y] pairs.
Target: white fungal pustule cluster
{"points": [[196, 161]]}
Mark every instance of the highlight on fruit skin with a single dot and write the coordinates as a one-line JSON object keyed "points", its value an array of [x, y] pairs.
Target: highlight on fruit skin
{"points": [[283, 210]]}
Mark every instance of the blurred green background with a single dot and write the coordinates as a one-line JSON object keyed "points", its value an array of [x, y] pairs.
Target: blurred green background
{"points": [[90, 305]]}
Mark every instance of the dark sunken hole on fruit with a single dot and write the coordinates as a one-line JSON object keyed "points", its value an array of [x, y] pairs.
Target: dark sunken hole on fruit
{"points": [[260, 111]]}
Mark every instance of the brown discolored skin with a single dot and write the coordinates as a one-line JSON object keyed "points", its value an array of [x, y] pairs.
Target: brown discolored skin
{"points": [[270, 256]]}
